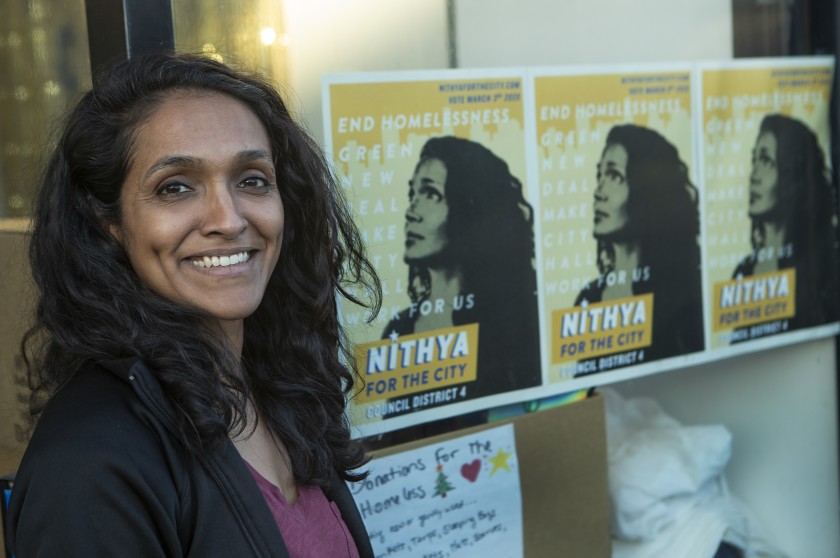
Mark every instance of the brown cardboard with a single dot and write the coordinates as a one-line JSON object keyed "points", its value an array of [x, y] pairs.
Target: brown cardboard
{"points": [[16, 309], [562, 456], [16, 306]]}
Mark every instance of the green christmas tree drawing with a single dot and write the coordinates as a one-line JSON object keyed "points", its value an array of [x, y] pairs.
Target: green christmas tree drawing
{"points": [[442, 484]]}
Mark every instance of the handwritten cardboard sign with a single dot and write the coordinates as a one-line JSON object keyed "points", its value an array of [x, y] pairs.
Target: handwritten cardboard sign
{"points": [[458, 497]]}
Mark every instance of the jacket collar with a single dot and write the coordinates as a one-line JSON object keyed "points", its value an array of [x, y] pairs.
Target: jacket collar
{"points": [[228, 471]]}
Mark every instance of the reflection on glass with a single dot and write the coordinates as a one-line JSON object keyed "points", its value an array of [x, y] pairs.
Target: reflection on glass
{"points": [[250, 32], [45, 65]]}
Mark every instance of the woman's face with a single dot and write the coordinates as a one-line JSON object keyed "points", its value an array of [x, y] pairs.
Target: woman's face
{"points": [[202, 219], [425, 220], [612, 193], [764, 177]]}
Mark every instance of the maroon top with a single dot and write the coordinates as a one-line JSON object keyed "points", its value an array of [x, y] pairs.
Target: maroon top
{"points": [[312, 527]]}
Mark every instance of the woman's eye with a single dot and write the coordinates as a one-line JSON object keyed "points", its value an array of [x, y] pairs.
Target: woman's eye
{"points": [[763, 159], [172, 189], [255, 183], [432, 194], [615, 175]]}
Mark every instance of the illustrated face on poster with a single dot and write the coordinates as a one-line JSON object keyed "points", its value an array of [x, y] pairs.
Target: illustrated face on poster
{"points": [[771, 209], [620, 222], [610, 208], [764, 177], [426, 217], [434, 170]]}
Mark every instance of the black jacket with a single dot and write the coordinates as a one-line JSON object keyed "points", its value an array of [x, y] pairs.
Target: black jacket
{"points": [[106, 475]]}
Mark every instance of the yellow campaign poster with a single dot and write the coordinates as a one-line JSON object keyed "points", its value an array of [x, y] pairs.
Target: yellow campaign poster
{"points": [[619, 217], [434, 167], [770, 205]]}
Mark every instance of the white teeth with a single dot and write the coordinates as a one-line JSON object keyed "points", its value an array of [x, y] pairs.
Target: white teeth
{"points": [[222, 261]]}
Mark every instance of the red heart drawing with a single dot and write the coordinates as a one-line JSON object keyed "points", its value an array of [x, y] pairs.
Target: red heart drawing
{"points": [[470, 470]]}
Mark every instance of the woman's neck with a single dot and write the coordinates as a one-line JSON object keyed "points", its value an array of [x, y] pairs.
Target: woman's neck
{"points": [[266, 453], [256, 443], [233, 331], [774, 234], [445, 284], [767, 260], [626, 256], [444, 287]]}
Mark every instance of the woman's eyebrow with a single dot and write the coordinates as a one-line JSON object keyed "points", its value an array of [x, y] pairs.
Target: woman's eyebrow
{"points": [[183, 161], [426, 181], [248, 155]]}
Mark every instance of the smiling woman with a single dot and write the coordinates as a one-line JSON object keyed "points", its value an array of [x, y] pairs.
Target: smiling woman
{"points": [[215, 199], [188, 245]]}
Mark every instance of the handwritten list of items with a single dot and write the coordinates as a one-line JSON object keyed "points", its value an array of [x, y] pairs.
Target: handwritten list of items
{"points": [[460, 497]]}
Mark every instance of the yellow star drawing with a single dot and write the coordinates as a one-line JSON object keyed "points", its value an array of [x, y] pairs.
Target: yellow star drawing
{"points": [[500, 461]]}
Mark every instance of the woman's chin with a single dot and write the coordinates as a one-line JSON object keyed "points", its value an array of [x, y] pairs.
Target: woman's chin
{"points": [[609, 235]]}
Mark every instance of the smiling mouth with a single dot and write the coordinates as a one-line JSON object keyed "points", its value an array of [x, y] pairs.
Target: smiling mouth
{"points": [[221, 261]]}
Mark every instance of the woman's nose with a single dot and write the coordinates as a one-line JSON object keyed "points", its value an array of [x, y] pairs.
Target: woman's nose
{"points": [[411, 213], [223, 214], [600, 194]]}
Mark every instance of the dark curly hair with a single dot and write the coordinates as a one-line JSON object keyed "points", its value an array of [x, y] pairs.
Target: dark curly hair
{"points": [[665, 223], [491, 239], [806, 207], [93, 307]]}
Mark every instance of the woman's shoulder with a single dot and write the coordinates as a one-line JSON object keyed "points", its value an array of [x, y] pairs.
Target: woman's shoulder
{"points": [[94, 400], [93, 453], [591, 292], [401, 324], [745, 267], [95, 419]]}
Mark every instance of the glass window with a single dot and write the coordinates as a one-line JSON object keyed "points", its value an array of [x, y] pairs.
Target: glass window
{"points": [[246, 31], [45, 65], [296, 41]]}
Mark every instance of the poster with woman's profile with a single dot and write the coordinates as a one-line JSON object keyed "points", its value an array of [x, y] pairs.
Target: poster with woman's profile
{"points": [[434, 167], [771, 206], [619, 217]]}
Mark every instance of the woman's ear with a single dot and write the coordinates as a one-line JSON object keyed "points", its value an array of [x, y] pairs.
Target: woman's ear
{"points": [[107, 219], [115, 231]]}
